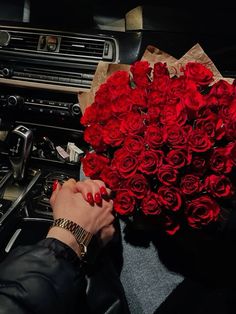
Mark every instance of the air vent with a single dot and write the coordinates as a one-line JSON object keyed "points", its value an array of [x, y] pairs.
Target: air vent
{"points": [[86, 48], [23, 42]]}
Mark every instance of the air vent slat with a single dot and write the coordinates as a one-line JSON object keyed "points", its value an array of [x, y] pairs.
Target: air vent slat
{"points": [[23, 41], [77, 46], [78, 51]]}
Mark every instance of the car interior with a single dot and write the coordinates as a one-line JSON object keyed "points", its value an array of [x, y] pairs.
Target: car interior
{"points": [[49, 52]]}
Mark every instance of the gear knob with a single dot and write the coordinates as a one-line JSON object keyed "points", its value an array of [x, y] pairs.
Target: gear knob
{"points": [[20, 142]]}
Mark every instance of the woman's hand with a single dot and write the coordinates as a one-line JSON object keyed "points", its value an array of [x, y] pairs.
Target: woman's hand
{"points": [[94, 191], [68, 203]]}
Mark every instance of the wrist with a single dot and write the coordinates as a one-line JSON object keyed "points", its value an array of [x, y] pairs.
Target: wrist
{"points": [[66, 237]]}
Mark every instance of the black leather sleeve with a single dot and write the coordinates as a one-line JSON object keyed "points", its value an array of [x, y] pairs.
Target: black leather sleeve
{"points": [[42, 279]]}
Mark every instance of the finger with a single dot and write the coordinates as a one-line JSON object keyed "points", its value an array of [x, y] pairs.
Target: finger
{"points": [[71, 184], [105, 192], [106, 234], [93, 190], [86, 191], [90, 190], [56, 189], [108, 219]]}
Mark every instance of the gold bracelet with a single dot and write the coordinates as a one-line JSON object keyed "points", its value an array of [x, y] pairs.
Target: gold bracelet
{"points": [[82, 236]]}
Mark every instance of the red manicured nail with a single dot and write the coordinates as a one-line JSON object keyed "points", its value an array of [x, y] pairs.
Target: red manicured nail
{"points": [[90, 198], [103, 191], [54, 185], [97, 198]]}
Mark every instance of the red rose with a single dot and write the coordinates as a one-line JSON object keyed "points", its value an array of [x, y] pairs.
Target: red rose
{"points": [[132, 124], [118, 84], [90, 116], [201, 211], [120, 106], [178, 158], [93, 136], [192, 99], [150, 161], [222, 91], [111, 133], [190, 184], [155, 99], [141, 71], [159, 70], [228, 111], [176, 136], [199, 141], [218, 186], [150, 204], [212, 127], [220, 161], [124, 202], [231, 130], [232, 148], [154, 137], [93, 164], [102, 96], [174, 114], [125, 162], [198, 73], [138, 98], [198, 165], [152, 115], [169, 198], [134, 144], [224, 113], [167, 175], [232, 109], [111, 177], [138, 185]]}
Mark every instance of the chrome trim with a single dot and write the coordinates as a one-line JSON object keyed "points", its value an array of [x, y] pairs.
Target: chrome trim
{"points": [[37, 219], [12, 240], [20, 197], [50, 126], [6, 178], [51, 82], [41, 54]]}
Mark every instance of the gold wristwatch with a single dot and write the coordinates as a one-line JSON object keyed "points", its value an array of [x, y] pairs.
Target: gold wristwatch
{"points": [[82, 236]]}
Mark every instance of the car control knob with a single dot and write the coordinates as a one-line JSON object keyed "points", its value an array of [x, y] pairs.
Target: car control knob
{"points": [[76, 109], [14, 100], [4, 38], [6, 72]]}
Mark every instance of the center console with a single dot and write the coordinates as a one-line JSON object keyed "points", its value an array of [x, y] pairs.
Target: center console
{"points": [[25, 211], [41, 138]]}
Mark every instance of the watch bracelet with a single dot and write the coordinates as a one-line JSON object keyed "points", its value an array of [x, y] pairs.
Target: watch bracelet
{"points": [[82, 236]]}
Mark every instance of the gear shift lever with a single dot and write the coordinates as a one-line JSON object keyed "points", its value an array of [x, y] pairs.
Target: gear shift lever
{"points": [[20, 142]]}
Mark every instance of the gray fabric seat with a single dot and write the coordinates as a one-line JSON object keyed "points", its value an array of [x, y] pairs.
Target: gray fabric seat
{"points": [[147, 282]]}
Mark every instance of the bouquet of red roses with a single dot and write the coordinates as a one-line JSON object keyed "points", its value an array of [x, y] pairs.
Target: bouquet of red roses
{"points": [[165, 144]]}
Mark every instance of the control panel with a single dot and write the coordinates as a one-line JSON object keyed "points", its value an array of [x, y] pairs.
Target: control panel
{"points": [[39, 106]]}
